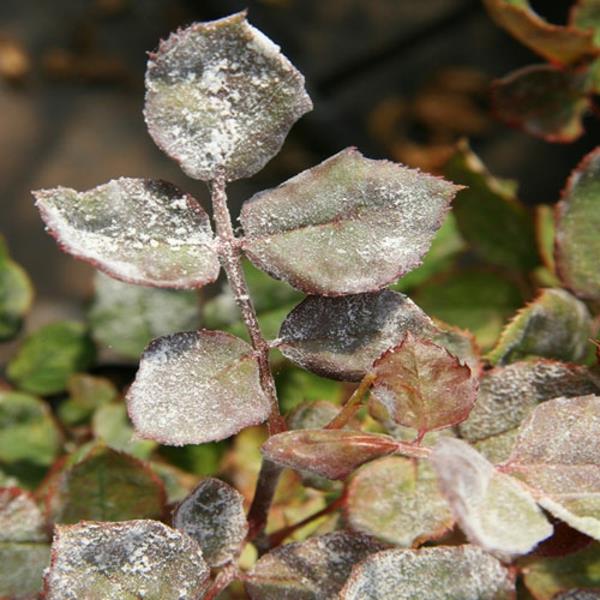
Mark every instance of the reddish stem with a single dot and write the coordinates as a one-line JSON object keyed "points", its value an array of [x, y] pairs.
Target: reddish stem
{"points": [[221, 581]]}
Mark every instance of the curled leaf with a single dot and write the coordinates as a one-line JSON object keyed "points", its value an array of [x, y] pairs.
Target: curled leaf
{"points": [[220, 95], [347, 226], [196, 387], [142, 231]]}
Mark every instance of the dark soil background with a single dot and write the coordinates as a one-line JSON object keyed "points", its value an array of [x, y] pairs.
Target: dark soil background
{"points": [[401, 79]]}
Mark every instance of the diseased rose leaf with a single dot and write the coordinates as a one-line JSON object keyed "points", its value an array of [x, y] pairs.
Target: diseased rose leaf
{"points": [[443, 573], [421, 385], [554, 324], [397, 501], [347, 226], [585, 14], [331, 453], [125, 561], [497, 448], [220, 95], [556, 455], [489, 216], [213, 514], [543, 100], [316, 568], [21, 569], [578, 595], [20, 517], [493, 509], [142, 231], [558, 44], [86, 394], [196, 387], [107, 486], [508, 394], [125, 317], [577, 224], [49, 356]]}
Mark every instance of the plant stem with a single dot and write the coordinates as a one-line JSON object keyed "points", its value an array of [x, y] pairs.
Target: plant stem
{"points": [[221, 581], [352, 405]]}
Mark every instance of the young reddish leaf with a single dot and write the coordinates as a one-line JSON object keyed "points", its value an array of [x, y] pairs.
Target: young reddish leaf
{"points": [[398, 501], [220, 95], [558, 44], [508, 394], [196, 387], [585, 14], [421, 385], [347, 226], [213, 514], [20, 518], [117, 561], [555, 325], [493, 509], [316, 568], [543, 100], [556, 454], [443, 573], [332, 453], [142, 231], [577, 226]]}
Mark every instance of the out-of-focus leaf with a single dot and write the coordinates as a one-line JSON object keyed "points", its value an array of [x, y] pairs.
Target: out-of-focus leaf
{"points": [[86, 394], [556, 454], [127, 317], [16, 294], [545, 233], [554, 325], [177, 483], [578, 594], [22, 568], [316, 568], [125, 561], [200, 459], [107, 486], [478, 301], [421, 385], [295, 386], [558, 44], [493, 510], [196, 387], [508, 394], [331, 453], [497, 448], [543, 100], [397, 501], [444, 573], [585, 14], [349, 225], [49, 356], [220, 95], [142, 231], [213, 514], [20, 518], [577, 225]]}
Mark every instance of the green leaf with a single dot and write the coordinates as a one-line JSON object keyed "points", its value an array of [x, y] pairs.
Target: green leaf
{"points": [[200, 459], [22, 567], [554, 325], [489, 216], [349, 225], [585, 14], [397, 501], [143, 231], [545, 234], [577, 225], [86, 394], [49, 356], [220, 95], [497, 448], [126, 317]]}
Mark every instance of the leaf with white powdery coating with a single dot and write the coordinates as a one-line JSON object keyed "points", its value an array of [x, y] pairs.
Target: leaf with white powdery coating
{"points": [[125, 561], [220, 95], [213, 514], [577, 244], [142, 231], [347, 226], [196, 387], [441, 573], [494, 510]]}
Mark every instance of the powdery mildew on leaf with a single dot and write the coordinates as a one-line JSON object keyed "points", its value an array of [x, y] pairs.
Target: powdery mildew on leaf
{"points": [[213, 514], [196, 387], [397, 501], [577, 244], [221, 95], [421, 385], [142, 231], [124, 561], [441, 573], [578, 595], [316, 568], [493, 509], [20, 518], [347, 226], [508, 394], [556, 454]]}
